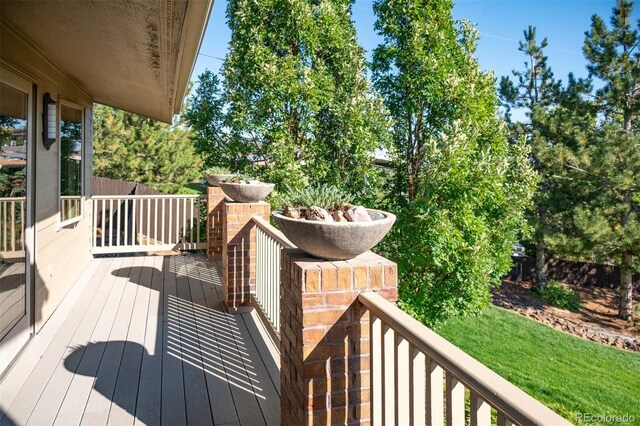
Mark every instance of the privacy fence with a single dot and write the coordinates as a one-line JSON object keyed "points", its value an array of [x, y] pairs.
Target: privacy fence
{"points": [[580, 273]]}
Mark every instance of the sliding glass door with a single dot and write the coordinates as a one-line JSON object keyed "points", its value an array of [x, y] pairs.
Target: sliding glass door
{"points": [[15, 141]]}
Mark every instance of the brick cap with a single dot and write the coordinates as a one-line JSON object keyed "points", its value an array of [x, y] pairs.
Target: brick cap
{"points": [[306, 261]]}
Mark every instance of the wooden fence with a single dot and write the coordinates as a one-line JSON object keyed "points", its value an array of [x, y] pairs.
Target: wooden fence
{"points": [[580, 273]]}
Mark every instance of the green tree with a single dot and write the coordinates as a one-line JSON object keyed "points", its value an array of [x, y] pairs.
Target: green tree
{"points": [[134, 148], [608, 165], [205, 115], [461, 187], [534, 88], [299, 108]]}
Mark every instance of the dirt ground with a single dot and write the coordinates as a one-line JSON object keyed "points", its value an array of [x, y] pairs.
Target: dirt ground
{"points": [[597, 319]]}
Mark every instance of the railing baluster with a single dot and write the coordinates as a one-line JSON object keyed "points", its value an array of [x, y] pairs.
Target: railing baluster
{"points": [[455, 401], [155, 223], [134, 228], [148, 222], [480, 410], [94, 220], [4, 225], [435, 398], [192, 204], [375, 336], [13, 226], [126, 223], [22, 225], [170, 229], [402, 381], [388, 375], [118, 221], [110, 223], [199, 206], [163, 217], [417, 396], [184, 216], [102, 227], [504, 420]]}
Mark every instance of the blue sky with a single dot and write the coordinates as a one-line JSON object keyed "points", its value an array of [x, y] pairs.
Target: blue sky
{"points": [[500, 23]]}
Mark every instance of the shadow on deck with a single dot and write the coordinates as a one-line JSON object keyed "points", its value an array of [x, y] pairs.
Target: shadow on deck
{"points": [[146, 340]]}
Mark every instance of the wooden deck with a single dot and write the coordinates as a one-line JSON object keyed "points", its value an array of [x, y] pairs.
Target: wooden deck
{"points": [[145, 340]]}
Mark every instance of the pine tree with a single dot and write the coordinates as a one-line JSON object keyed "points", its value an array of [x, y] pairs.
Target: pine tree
{"points": [[610, 218], [134, 148], [298, 103], [535, 88], [462, 187], [205, 116]]}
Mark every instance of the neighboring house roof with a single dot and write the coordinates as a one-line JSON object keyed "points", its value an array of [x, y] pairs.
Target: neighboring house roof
{"points": [[136, 55]]}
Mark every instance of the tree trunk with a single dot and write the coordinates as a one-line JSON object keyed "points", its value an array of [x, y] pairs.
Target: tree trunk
{"points": [[541, 267], [541, 252], [626, 287]]}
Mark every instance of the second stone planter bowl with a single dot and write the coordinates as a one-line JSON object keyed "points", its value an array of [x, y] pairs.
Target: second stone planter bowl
{"points": [[246, 192], [334, 240], [216, 179]]}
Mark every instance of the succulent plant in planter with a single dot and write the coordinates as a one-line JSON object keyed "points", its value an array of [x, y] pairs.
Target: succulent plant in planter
{"points": [[244, 189], [215, 175], [322, 221]]}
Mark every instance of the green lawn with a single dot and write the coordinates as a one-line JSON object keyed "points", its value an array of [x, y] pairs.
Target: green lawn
{"points": [[568, 374]]}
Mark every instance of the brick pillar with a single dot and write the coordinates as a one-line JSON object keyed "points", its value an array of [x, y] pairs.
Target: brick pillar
{"points": [[324, 338], [215, 200], [239, 251]]}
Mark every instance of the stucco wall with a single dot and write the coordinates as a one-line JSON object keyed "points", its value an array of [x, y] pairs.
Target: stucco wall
{"points": [[61, 254]]}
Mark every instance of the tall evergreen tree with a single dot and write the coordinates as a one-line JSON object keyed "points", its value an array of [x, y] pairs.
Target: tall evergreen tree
{"points": [[534, 88], [610, 166], [462, 187], [299, 106], [134, 148], [205, 115]]}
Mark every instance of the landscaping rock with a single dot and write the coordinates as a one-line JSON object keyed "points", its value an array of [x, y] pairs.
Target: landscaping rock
{"points": [[358, 214], [318, 214], [338, 216], [376, 216], [291, 212]]}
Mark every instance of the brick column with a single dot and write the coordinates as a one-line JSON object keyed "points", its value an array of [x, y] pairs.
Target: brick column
{"points": [[239, 251], [324, 346], [215, 199]]}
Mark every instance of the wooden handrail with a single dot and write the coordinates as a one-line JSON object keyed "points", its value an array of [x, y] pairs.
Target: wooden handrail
{"points": [[146, 197], [273, 232], [506, 398]]}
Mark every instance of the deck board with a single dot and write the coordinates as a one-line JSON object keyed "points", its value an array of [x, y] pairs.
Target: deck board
{"points": [[146, 340]]}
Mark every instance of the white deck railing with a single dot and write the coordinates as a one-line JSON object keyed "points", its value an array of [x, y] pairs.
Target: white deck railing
{"points": [[269, 244], [135, 223], [417, 377], [12, 216]]}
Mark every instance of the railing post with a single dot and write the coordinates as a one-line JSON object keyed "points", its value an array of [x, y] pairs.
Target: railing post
{"points": [[215, 199], [324, 336], [239, 251]]}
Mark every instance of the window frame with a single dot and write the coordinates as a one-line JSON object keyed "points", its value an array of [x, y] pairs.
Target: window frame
{"points": [[78, 218]]}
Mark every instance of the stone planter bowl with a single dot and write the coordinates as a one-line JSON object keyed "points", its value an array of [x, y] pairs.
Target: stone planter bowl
{"points": [[246, 192], [216, 179], [334, 240]]}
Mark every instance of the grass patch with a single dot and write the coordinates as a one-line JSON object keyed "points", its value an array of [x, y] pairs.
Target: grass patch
{"points": [[193, 188], [568, 374], [559, 295]]}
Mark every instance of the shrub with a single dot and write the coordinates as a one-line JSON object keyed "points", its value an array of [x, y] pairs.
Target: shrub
{"points": [[557, 294], [216, 170], [324, 196]]}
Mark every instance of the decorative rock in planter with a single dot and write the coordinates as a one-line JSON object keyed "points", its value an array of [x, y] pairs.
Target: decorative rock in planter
{"points": [[216, 179], [246, 192], [335, 240]]}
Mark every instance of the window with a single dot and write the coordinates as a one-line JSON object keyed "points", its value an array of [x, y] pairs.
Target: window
{"points": [[71, 131]]}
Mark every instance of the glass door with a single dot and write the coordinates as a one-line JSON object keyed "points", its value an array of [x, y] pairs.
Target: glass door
{"points": [[15, 138]]}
